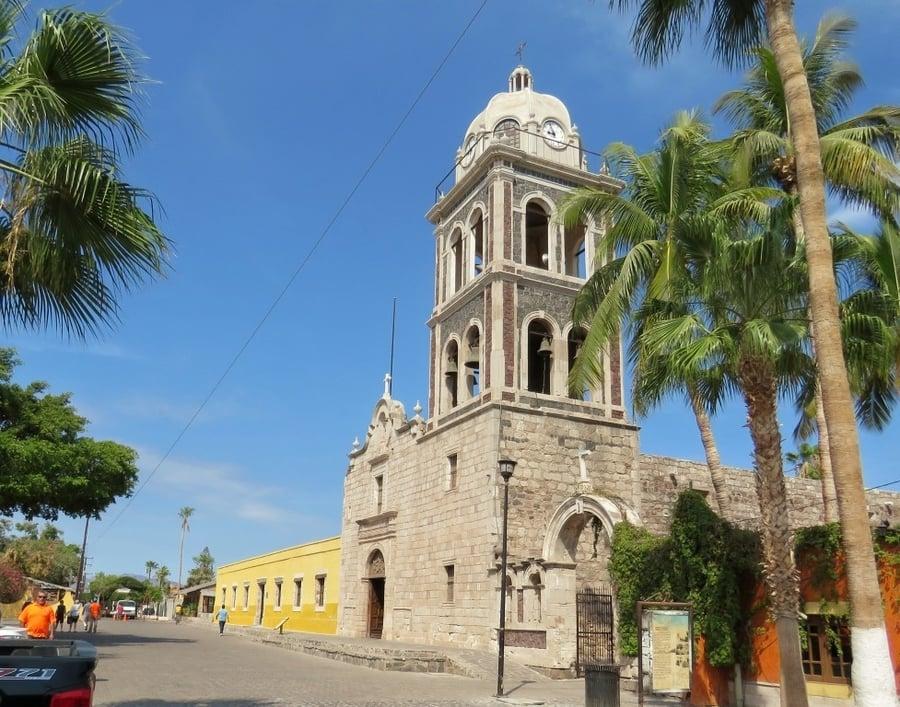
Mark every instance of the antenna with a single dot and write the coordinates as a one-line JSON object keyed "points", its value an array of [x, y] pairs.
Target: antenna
{"points": [[393, 331]]}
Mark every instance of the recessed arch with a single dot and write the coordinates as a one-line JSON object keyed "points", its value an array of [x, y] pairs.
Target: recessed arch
{"points": [[472, 355], [538, 351], [558, 543], [477, 247], [450, 370]]}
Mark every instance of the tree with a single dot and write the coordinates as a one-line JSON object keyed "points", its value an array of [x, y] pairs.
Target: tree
{"points": [[752, 329], [150, 566], [734, 28], [857, 152], [105, 586], [804, 461], [42, 554], [47, 465], [670, 194], [162, 579], [185, 513], [203, 570], [73, 233], [12, 583]]}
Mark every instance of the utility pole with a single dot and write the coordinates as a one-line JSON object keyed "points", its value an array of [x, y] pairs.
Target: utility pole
{"points": [[80, 581]]}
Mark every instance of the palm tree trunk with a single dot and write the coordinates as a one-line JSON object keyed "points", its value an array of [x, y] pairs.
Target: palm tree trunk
{"points": [[760, 395], [180, 557], [872, 672], [829, 494], [717, 476]]}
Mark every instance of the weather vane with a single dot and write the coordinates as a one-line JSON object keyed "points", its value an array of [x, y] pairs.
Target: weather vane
{"points": [[520, 50]]}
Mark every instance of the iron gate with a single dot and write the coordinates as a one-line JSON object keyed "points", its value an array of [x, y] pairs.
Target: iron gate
{"points": [[595, 643]]}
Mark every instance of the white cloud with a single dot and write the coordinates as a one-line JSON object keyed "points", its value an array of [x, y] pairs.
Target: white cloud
{"points": [[215, 487]]}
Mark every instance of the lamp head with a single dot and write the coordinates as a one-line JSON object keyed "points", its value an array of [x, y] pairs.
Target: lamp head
{"points": [[506, 468]]}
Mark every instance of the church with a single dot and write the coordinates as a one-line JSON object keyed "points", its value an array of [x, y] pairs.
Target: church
{"points": [[422, 509]]}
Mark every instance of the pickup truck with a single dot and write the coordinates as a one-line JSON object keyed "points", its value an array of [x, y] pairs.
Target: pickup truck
{"points": [[36, 673]]}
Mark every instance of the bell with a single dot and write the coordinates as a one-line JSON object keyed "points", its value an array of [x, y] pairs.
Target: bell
{"points": [[451, 369], [544, 349], [472, 360]]}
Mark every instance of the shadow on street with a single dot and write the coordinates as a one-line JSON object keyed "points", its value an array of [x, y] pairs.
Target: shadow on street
{"points": [[120, 639], [204, 703]]}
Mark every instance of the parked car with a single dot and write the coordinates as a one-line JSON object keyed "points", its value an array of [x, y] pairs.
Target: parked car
{"points": [[129, 608]]}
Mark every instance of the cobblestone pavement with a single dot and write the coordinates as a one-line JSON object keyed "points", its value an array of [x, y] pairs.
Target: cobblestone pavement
{"points": [[158, 664]]}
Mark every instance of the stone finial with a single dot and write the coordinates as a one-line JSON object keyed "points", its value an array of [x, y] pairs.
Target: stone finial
{"points": [[355, 447], [604, 167], [418, 409], [387, 386]]}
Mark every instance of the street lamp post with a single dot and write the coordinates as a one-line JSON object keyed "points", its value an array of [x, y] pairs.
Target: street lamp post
{"points": [[506, 471]]}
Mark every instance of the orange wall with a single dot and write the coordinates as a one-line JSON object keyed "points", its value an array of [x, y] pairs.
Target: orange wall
{"points": [[710, 685]]}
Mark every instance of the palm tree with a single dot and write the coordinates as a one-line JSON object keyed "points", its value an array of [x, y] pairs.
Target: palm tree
{"points": [[185, 513], [752, 332], [733, 29], [150, 566], [670, 196], [804, 461], [73, 233], [857, 153], [162, 578]]}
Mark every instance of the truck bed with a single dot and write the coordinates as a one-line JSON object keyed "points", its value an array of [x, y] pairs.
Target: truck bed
{"points": [[32, 672]]}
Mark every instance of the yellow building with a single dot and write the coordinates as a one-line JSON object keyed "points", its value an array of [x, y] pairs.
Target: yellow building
{"points": [[54, 593], [299, 584]]}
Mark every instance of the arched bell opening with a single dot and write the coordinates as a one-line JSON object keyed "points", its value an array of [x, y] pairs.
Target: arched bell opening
{"points": [[574, 344], [576, 251], [537, 236], [472, 359], [540, 357], [451, 376]]}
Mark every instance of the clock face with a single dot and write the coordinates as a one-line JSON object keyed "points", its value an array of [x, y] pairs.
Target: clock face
{"points": [[469, 151], [553, 133]]}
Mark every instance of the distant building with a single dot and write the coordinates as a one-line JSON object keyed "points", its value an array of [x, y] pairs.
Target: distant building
{"points": [[299, 584], [201, 597], [54, 593]]}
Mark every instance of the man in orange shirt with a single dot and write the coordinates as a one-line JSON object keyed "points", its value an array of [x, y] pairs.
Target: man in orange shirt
{"points": [[38, 619]]}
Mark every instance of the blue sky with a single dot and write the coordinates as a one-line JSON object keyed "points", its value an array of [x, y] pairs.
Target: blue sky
{"points": [[259, 123]]}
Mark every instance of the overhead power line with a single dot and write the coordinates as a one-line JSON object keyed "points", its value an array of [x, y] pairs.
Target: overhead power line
{"points": [[303, 262]]}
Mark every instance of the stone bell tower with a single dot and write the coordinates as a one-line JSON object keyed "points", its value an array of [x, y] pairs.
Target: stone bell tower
{"points": [[507, 269]]}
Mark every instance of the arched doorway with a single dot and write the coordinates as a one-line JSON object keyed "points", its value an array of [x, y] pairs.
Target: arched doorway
{"points": [[376, 576], [578, 544]]}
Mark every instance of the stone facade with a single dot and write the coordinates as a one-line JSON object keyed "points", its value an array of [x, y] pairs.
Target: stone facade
{"points": [[422, 516]]}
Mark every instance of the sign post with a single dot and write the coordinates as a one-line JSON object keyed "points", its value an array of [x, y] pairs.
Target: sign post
{"points": [[665, 648]]}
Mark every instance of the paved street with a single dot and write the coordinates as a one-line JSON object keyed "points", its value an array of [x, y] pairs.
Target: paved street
{"points": [[158, 664]]}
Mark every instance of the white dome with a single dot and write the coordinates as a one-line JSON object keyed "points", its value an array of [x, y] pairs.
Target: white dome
{"points": [[535, 123], [521, 103]]}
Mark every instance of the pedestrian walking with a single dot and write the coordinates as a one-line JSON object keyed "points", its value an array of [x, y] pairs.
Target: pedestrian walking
{"points": [[92, 616], [38, 618], [73, 616], [222, 616], [60, 615]]}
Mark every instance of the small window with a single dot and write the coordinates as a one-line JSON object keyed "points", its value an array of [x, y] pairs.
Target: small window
{"points": [[224, 593], [452, 471], [472, 363], [234, 597], [278, 596], [320, 591], [535, 613], [826, 654], [379, 493], [456, 261], [451, 376], [451, 579], [246, 597], [478, 259], [298, 585]]}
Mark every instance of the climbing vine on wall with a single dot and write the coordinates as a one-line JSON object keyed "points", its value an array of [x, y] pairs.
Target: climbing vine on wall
{"points": [[704, 560]]}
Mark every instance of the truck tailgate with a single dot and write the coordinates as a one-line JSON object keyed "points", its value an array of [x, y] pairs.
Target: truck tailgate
{"points": [[31, 672]]}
